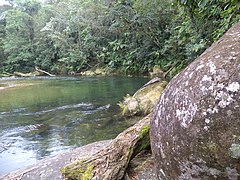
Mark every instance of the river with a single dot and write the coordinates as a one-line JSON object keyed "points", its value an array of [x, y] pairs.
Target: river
{"points": [[44, 116]]}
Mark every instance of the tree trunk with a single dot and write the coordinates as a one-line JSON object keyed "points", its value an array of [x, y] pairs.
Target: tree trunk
{"points": [[112, 161]]}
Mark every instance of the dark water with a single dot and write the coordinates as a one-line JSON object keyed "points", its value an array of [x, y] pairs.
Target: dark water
{"points": [[45, 116]]}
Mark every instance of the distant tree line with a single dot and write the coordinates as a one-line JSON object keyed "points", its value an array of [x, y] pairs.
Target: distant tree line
{"points": [[131, 36]]}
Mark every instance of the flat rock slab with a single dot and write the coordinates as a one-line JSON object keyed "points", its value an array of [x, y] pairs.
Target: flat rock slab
{"points": [[49, 168]]}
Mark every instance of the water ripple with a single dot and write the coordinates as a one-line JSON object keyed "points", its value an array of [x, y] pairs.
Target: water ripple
{"points": [[22, 111]]}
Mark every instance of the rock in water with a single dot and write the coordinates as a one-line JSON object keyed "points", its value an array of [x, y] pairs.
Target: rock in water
{"points": [[195, 130]]}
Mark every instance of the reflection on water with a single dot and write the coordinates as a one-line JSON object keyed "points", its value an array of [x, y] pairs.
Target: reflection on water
{"points": [[45, 116]]}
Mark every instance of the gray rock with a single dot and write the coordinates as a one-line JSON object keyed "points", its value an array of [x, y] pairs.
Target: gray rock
{"points": [[195, 130], [49, 168], [141, 167]]}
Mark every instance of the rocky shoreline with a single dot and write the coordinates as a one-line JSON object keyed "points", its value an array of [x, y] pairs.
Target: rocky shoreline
{"points": [[140, 167], [49, 168]]}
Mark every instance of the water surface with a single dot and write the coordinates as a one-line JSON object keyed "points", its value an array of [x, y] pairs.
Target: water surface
{"points": [[45, 116]]}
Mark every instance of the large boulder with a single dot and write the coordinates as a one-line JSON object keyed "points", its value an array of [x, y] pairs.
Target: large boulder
{"points": [[195, 130]]}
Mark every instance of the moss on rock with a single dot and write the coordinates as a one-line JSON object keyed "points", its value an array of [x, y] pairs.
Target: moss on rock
{"points": [[79, 170], [111, 162], [144, 100], [145, 140]]}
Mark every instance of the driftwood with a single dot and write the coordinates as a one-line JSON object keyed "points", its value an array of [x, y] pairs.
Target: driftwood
{"points": [[44, 72], [112, 161], [19, 74], [6, 74], [37, 72]]}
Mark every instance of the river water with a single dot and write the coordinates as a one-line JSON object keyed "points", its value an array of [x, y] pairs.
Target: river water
{"points": [[45, 116]]}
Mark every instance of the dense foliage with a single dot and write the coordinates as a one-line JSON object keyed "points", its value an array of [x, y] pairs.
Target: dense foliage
{"points": [[132, 36]]}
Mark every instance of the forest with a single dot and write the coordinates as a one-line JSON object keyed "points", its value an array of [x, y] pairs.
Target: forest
{"points": [[128, 36]]}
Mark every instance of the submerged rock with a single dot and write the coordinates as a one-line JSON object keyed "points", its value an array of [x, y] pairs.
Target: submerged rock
{"points": [[195, 130]]}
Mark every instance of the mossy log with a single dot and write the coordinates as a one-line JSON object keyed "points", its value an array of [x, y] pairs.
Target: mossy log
{"points": [[112, 161]]}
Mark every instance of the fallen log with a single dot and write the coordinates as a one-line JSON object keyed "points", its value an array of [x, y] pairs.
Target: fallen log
{"points": [[112, 161], [19, 74], [6, 74], [44, 72]]}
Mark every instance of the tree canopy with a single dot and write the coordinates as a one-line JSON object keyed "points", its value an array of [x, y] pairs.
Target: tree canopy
{"points": [[131, 36]]}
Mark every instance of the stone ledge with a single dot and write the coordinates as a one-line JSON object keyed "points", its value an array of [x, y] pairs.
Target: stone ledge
{"points": [[49, 168]]}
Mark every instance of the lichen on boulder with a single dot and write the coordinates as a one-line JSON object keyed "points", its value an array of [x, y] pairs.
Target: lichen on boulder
{"points": [[195, 129]]}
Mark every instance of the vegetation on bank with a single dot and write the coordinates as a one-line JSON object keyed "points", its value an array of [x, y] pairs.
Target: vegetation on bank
{"points": [[131, 36]]}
